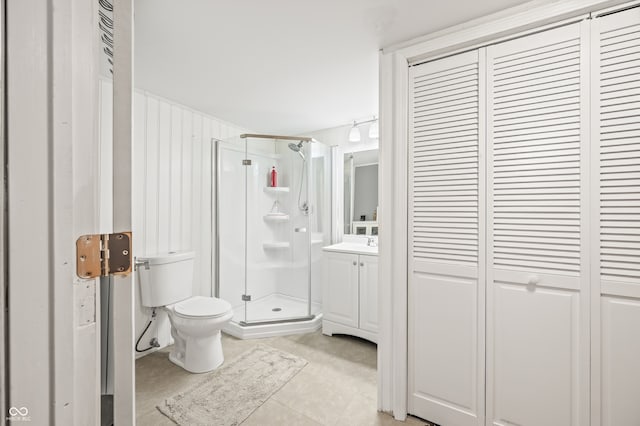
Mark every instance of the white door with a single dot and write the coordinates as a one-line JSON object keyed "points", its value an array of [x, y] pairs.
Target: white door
{"points": [[615, 241], [51, 338], [369, 293], [446, 236], [53, 180], [537, 258], [340, 293]]}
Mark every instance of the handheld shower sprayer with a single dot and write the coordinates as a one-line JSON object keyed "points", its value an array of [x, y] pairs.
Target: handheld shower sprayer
{"points": [[297, 147]]}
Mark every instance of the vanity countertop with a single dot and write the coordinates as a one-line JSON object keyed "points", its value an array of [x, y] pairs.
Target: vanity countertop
{"points": [[353, 247]]}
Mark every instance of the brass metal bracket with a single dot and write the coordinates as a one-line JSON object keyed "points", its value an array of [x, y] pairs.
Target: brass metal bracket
{"points": [[100, 255]]}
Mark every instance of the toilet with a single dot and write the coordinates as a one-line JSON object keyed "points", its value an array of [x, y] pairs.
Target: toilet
{"points": [[166, 282]]}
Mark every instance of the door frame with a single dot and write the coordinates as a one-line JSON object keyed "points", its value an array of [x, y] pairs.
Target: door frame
{"points": [[124, 410], [3, 216], [394, 118]]}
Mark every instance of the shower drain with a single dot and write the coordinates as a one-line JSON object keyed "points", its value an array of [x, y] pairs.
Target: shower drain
{"points": [[276, 309]]}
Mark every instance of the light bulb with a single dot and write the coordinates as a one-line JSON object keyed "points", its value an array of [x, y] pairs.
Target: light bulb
{"points": [[373, 130], [354, 134]]}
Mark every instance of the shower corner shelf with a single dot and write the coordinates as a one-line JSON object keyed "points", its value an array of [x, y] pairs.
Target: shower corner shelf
{"points": [[276, 189], [276, 217], [275, 245]]}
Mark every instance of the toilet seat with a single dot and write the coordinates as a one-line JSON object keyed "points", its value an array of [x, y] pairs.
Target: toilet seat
{"points": [[202, 307]]}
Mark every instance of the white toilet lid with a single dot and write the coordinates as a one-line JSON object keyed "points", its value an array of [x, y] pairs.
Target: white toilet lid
{"points": [[199, 306]]}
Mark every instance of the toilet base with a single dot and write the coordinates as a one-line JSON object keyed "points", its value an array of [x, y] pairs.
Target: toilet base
{"points": [[197, 355]]}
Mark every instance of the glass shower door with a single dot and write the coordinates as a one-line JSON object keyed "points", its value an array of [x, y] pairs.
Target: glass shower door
{"points": [[278, 237], [319, 219], [269, 237], [231, 225]]}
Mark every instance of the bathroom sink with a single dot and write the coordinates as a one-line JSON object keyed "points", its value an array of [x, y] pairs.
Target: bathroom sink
{"points": [[350, 247]]}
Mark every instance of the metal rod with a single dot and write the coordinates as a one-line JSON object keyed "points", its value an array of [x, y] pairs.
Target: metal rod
{"points": [[246, 238], [360, 123], [279, 321], [284, 138], [309, 225], [216, 208], [333, 154]]}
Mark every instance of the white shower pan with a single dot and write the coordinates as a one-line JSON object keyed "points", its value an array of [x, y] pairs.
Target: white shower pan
{"points": [[273, 308]]}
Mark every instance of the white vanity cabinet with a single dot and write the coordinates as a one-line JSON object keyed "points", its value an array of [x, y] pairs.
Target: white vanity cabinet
{"points": [[350, 295]]}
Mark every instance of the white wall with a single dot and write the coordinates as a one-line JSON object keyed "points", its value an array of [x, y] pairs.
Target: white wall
{"points": [[173, 174]]}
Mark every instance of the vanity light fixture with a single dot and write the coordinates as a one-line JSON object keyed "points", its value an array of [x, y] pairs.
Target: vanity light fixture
{"points": [[354, 133]]}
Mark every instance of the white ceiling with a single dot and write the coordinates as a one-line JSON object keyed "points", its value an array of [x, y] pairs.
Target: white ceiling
{"points": [[281, 66]]}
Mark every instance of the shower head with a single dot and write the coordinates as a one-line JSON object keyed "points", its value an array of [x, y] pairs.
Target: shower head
{"points": [[297, 148]]}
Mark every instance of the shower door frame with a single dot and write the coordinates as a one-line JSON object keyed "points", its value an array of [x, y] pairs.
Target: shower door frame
{"points": [[215, 199]]}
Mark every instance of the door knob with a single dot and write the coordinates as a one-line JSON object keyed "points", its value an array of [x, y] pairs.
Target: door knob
{"points": [[355, 263], [361, 264]]}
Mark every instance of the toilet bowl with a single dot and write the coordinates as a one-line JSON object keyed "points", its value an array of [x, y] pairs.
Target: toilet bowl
{"points": [[195, 327], [196, 321]]}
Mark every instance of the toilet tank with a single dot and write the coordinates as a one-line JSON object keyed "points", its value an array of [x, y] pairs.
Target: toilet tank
{"points": [[168, 279]]}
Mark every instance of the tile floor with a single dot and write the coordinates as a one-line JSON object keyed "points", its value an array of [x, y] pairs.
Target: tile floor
{"points": [[337, 387]]}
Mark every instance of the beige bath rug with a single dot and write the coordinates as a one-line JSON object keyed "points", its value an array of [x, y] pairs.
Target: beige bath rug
{"points": [[230, 394]]}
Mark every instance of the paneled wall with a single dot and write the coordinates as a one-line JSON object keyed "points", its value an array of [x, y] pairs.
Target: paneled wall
{"points": [[173, 178]]}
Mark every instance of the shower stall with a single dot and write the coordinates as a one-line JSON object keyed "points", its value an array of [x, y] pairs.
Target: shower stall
{"points": [[269, 238]]}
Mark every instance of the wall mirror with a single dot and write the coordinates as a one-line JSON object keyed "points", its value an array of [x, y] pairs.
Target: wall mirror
{"points": [[361, 192]]}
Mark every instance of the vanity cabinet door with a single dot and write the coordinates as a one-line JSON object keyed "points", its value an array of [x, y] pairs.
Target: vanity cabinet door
{"points": [[340, 301], [369, 293]]}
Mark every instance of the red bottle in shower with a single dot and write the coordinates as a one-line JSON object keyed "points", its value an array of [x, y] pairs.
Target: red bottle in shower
{"points": [[274, 177]]}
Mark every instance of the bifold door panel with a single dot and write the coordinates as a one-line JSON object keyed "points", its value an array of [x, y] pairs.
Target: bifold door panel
{"points": [[616, 225], [537, 274], [618, 153], [446, 264]]}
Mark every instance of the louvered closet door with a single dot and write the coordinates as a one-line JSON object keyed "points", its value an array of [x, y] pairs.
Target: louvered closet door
{"points": [[537, 268], [616, 222], [446, 272]]}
